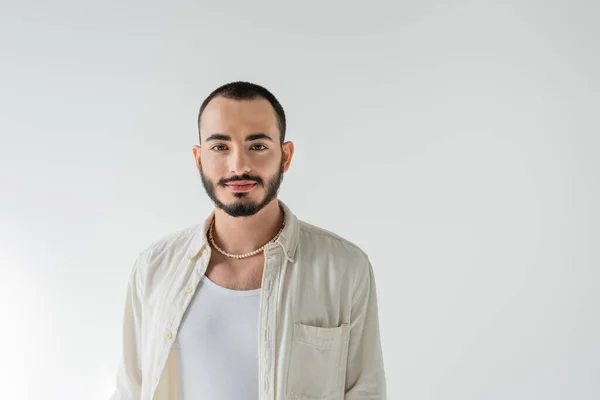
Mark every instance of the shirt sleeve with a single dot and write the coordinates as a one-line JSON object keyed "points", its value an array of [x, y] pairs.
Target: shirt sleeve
{"points": [[129, 375], [365, 376]]}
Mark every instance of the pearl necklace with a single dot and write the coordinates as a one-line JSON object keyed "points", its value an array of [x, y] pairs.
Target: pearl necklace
{"points": [[239, 256]]}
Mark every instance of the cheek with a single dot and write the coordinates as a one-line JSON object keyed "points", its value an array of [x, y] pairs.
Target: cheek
{"points": [[212, 167], [267, 164]]}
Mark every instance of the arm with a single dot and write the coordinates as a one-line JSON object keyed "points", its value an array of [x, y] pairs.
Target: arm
{"points": [[129, 376], [365, 376]]}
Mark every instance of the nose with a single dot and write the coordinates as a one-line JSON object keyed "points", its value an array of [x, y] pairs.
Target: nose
{"points": [[238, 163]]}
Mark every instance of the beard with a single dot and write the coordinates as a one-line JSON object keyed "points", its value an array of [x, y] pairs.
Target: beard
{"points": [[243, 207]]}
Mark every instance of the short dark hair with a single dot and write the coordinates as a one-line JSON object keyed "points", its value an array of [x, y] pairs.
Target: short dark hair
{"points": [[240, 90]]}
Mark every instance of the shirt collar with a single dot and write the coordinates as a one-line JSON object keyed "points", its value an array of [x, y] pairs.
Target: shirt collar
{"points": [[288, 240]]}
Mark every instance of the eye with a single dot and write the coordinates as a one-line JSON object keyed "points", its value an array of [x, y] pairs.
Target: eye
{"points": [[218, 147], [259, 147]]}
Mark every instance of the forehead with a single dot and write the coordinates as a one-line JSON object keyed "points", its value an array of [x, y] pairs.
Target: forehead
{"points": [[238, 117]]}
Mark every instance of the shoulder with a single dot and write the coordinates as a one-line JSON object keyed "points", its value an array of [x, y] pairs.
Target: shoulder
{"points": [[165, 250], [326, 247], [326, 242]]}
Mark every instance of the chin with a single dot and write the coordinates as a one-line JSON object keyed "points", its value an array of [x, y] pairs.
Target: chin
{"points": [[234, 198]]}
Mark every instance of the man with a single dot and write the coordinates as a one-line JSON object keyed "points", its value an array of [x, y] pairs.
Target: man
{"points": [[253, 303]]}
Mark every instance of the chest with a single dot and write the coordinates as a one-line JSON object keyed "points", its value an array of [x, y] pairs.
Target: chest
{"points": [[303, 320], [236, 274]]}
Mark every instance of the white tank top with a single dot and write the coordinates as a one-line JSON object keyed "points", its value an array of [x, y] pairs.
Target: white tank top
{"points": [[218, 344]]}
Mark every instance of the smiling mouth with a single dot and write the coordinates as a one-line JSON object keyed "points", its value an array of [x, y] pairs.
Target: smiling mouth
{"points": [[241, 187]]}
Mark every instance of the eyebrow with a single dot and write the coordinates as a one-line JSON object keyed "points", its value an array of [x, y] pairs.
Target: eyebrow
{"points": [[249, 138]]}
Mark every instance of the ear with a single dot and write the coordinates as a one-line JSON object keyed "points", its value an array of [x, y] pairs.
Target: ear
{"points": [[196, 152], [288, 154]]}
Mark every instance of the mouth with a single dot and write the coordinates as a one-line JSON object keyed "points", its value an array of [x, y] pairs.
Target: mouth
{"points": [[241, 186]]}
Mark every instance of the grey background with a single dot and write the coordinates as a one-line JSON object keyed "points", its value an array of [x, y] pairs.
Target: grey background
{"points": [[455, 142]]}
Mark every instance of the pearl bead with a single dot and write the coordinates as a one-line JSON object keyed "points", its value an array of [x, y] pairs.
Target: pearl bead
{"points": [[240, 256]]}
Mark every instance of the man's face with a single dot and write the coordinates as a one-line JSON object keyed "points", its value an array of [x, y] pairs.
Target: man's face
{"points": [[240, 159]]}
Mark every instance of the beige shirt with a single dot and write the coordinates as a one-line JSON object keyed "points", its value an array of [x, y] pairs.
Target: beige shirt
{"points": [[318, 335]]}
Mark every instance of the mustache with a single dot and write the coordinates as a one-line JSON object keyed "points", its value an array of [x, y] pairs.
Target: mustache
{"points": [[244, 177]]}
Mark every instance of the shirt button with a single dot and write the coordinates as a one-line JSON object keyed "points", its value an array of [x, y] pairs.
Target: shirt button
{"points": [[188, 289], [205, 252], [155, 380], [289, 254], [169, 335]]}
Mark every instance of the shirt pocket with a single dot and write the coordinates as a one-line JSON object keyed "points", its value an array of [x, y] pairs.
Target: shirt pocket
{"points": [[318, 358]]}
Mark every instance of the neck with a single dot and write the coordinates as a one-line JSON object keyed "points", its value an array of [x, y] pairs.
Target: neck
{"points": [[245, 234]]}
